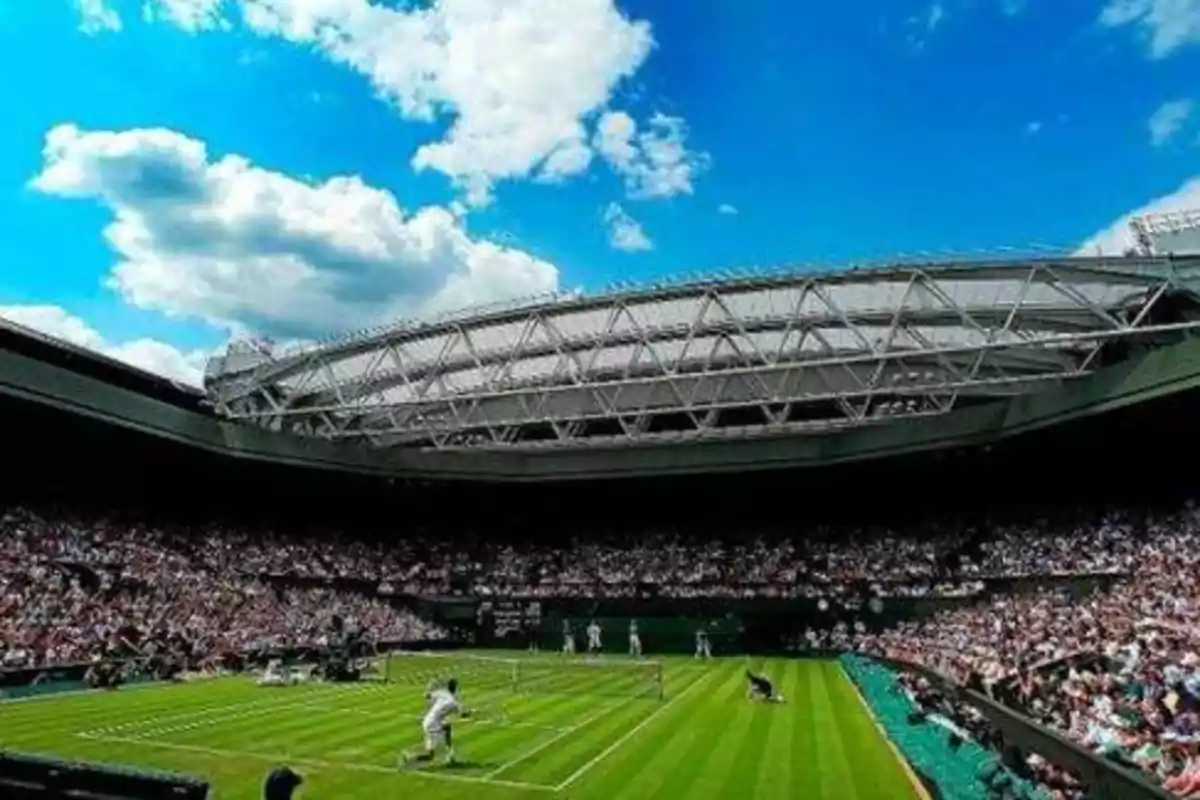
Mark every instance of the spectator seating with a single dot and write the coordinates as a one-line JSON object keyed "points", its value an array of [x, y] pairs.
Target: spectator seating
{"points": [[964, 771]]}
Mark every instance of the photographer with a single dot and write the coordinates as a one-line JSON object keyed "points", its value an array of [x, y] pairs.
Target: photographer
{"points": [[103, 675]]}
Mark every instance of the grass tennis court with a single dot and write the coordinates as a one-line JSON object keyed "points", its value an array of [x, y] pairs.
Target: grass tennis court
{"points": [[702, 740]]}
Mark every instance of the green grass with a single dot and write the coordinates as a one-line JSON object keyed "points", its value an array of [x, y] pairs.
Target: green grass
{"points": [[702, 740]]}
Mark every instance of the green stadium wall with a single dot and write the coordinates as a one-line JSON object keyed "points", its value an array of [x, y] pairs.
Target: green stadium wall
{"points": [[668, 625]]}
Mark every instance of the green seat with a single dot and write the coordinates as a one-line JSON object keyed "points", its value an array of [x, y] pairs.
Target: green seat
{"points": [[958, 772]]}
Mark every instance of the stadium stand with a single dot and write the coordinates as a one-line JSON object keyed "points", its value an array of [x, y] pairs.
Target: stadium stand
{"points": [[79, 589], [1117, 669], [1050, 570], [958, 766]]}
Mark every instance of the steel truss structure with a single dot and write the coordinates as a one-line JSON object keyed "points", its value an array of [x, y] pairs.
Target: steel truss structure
{"points": [[759, 356], [1172, 231]]}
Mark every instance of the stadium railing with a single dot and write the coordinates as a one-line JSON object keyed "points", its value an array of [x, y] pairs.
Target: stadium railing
{"points": [[48, 679], [36, 778], [1105, 779], [54, 678], [962, 770]]}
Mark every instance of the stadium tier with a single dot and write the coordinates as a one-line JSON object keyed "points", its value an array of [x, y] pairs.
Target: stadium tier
{"points": [[923, 531]]}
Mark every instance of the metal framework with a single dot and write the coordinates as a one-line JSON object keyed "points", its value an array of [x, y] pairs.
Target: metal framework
{"points": [[757, 356], [1168, 232]]}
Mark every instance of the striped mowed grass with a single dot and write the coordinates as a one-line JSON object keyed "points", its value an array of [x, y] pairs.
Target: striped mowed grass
{"points": [[702, 739]]}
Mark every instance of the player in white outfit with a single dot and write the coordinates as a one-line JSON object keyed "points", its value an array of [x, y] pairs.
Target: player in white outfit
{"points": [[443, 705], [593, 634], [568, 638], [277, 675], [635, 641], [703, 648]]}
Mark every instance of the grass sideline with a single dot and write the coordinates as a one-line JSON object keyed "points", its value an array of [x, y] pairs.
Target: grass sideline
{"points": [[703, 740]]}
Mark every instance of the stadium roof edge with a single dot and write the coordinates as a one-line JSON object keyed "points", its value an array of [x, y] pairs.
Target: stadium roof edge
{"points": [[1162, 372], [788, 351], [1113, 267], [87, 361]]}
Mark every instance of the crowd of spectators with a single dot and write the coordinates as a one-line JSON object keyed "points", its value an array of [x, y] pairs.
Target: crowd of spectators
{"points": [[1117, 669], [76, 588], [922, 561], [74, 591], [74, 585], [962, 721]]}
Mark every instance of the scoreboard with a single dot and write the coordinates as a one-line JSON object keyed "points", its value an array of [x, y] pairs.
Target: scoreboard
{"points": [[509, 618]]}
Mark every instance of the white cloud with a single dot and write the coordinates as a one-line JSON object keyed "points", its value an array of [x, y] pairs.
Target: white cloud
{"points": [[1168, 120], [148, 354], [654, 163], [190, 15], [571, 159], [934, 16], [624, 232], [922, 26], [1033, 128], [97, 16], [1168, 24], [518, 77], [725, 208], [1117, 238], [1011, 8], [240, 246]]}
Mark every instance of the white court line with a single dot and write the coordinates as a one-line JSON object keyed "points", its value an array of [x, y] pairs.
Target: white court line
{"points": [[141, 686], [215, 716], [563, 733], [185, 722], [206, 716], [363, 712], [317, 762], [918, 787], [606, 752]]}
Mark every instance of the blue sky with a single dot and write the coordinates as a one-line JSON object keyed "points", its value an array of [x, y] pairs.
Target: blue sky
{"points": [[176, 171]]}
